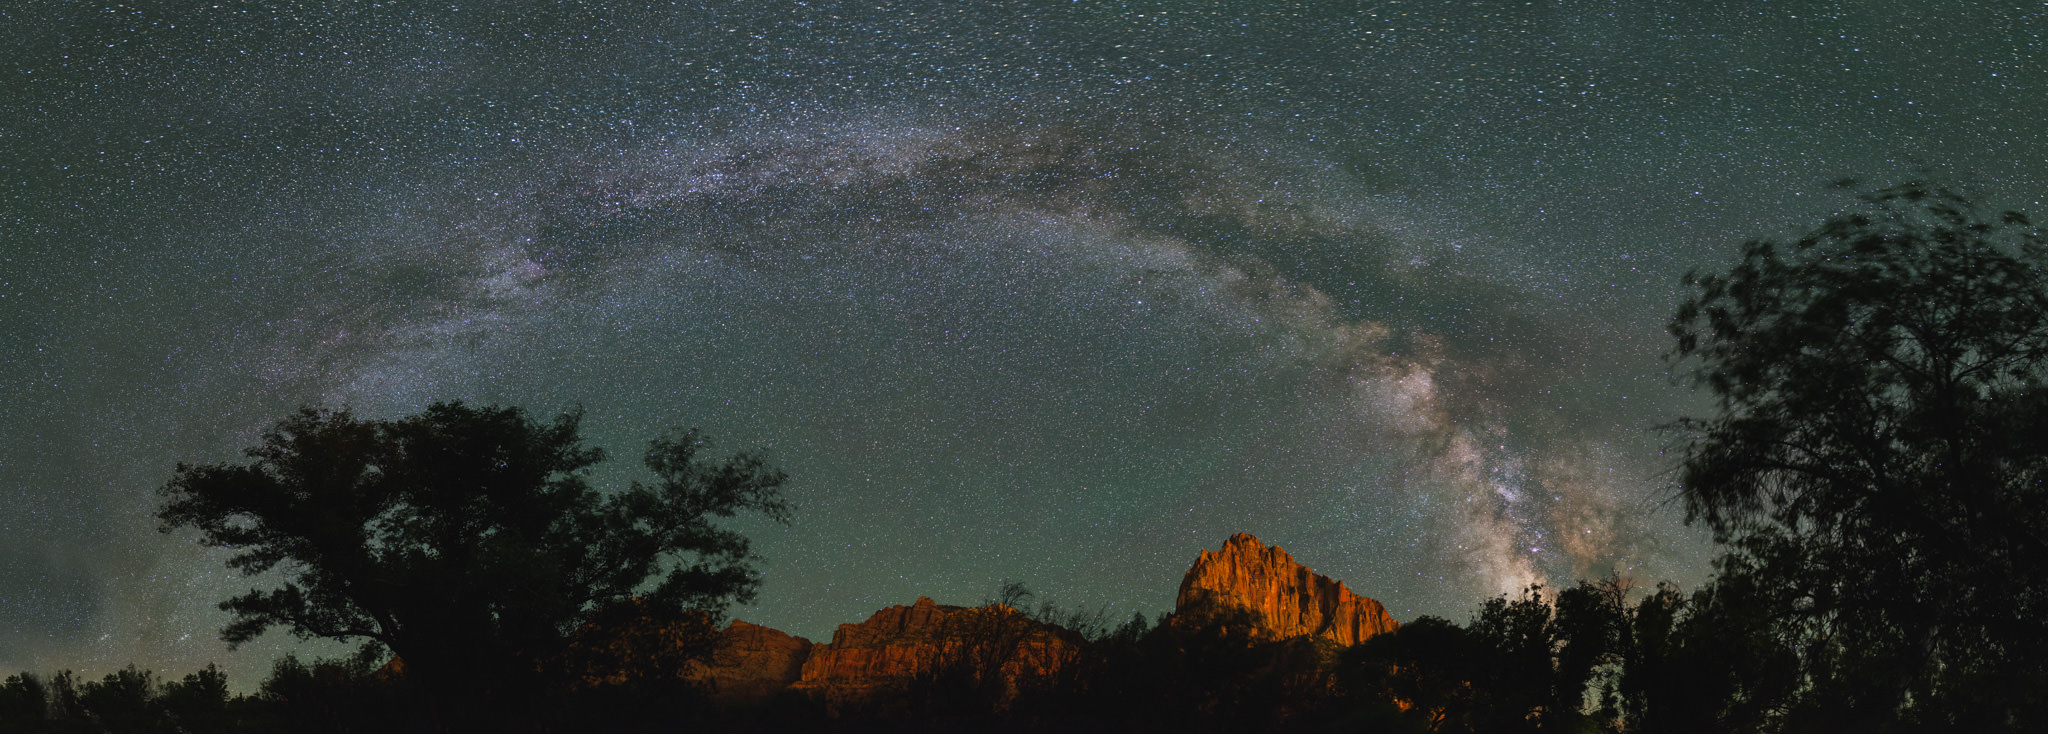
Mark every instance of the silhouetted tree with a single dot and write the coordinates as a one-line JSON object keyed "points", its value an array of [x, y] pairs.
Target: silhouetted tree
{"points": [[1427, 668], [199, 703], [1131, 630], [1514, 679], [1877, 461], [24, 703], [354, 693], [636, 641], [1709, 662], [467, 540], [1089, 624], [66, 711], [123, 701], [1654, 680], [1220, 673], [1590, 634]]}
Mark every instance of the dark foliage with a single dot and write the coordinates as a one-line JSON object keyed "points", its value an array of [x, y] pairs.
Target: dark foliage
{"points": [[1429, 666], [1522, 665], [127, 701], [199, 702], [24, 702], [358, 693], [1877, 462], [1705, 663], [1590, 635], [123, 701], [634, 642], [468, 542], [1214, 674]]}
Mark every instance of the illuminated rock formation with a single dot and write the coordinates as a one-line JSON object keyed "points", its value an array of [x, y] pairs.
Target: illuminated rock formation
{"points": [[993, 651], [898, 647], [751, 663], [1284, 598]]}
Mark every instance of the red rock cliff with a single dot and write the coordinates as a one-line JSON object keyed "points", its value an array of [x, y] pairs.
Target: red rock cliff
{"points": [[892, 649], [1286, 598], [751, 663]]}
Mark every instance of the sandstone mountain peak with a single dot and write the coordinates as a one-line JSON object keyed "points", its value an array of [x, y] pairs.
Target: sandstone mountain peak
{"points": [[1285, 598]]}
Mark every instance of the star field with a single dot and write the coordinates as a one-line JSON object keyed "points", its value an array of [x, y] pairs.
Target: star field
{"points": [[1053, 292]]}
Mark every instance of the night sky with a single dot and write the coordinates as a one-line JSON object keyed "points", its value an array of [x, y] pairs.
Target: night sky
{"points": [[1053, 292]]}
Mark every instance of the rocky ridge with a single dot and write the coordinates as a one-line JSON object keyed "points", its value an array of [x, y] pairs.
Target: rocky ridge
{"points": [[751, 663], [898, 646], [1284, 598], [891, 651]]}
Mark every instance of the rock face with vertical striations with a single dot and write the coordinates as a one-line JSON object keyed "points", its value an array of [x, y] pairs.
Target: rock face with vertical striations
{"points": [[1284, 598]]}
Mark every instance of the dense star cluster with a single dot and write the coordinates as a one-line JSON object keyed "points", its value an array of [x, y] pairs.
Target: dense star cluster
{"points": [[1052, 292]]}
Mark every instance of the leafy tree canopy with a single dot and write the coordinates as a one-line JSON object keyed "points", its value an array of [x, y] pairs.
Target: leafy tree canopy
{"points": [[467, 540], [1879, 450]]}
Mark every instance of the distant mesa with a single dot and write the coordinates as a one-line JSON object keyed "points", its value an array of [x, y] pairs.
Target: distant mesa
{"points": [[1284, 598], [886, 655], [899, 647]]}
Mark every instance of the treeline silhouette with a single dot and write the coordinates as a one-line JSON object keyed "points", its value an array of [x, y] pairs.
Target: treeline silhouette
{"points": [[127, 700], [1585, 659], [1589, 658], [356, 693]]}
